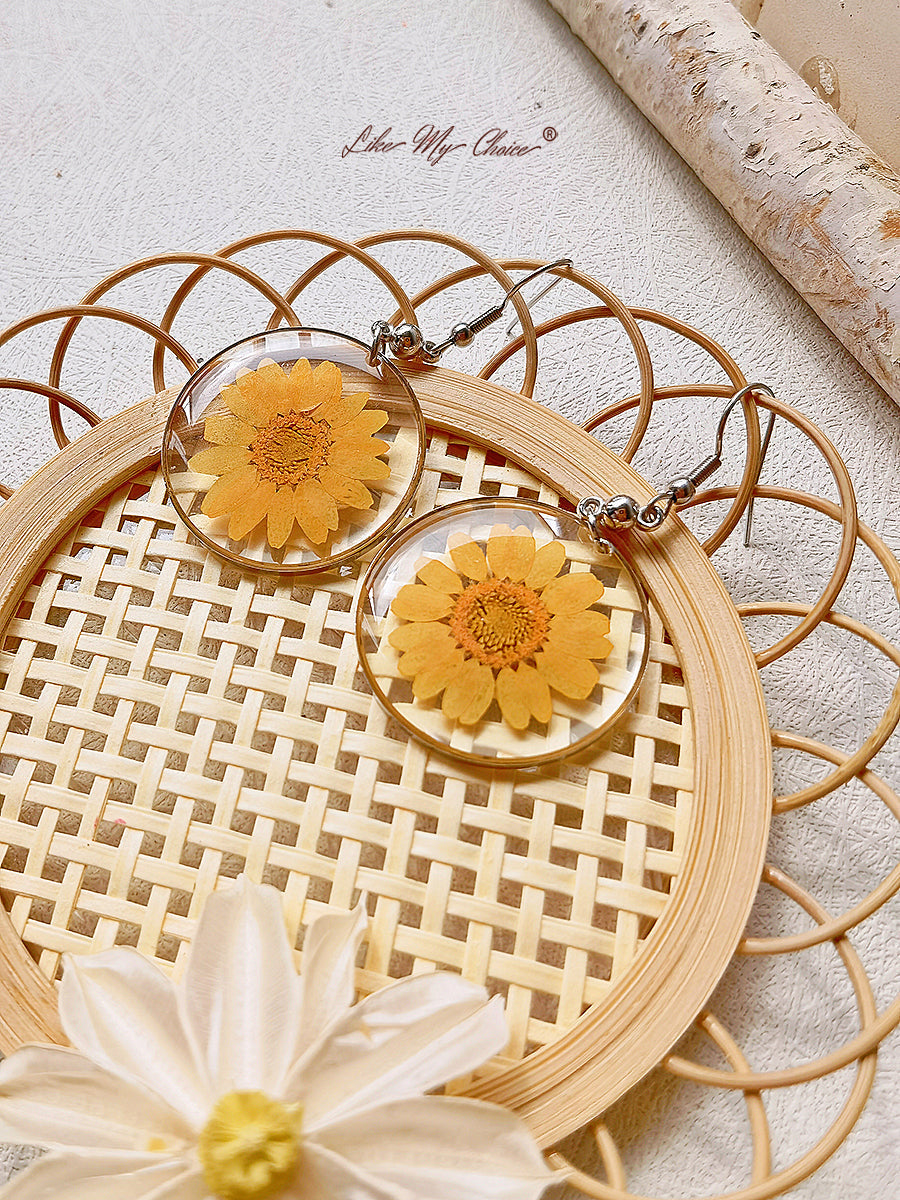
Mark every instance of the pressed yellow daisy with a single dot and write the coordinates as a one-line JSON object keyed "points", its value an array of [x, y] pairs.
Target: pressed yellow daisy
{"points": [[505, 625], [290, 448]]}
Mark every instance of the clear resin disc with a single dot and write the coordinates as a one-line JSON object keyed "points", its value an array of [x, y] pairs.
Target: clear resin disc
{"points": [[289, 452], [497, 631]]}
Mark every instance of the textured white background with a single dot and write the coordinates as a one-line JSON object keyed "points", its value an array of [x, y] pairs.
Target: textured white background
{"points": [[131, 127]]}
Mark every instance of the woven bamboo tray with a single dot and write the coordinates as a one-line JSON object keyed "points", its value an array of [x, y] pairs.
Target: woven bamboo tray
{"points": [[167, 722], [173, 721]]}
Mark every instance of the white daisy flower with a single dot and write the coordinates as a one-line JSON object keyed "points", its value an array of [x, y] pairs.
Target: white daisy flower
{"points": [[246, 1081]]}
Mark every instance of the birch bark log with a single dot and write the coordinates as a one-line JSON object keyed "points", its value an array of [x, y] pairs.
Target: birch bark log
{"points": [[822, 206]]}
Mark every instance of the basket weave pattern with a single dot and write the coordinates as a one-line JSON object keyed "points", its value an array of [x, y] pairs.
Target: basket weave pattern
{"points": [[167, 720]]}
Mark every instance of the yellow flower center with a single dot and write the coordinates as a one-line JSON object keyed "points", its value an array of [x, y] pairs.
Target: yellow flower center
{"points": [[249, 1146], [291, 448], [499, 623]]}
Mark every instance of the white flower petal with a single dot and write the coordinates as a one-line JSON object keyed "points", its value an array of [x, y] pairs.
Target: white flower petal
{"points": [[242, 993], [441, 1148], [329, 961], [404, 1040], [120, 1010], [325, 1176], [107, 1176], [54, 1097]]}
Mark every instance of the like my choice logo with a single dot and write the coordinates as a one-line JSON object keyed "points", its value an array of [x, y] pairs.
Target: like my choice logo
{"points": [[435, 144]]}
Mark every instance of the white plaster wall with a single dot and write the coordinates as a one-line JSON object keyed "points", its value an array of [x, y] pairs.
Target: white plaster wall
{"points": [[130, 127]]}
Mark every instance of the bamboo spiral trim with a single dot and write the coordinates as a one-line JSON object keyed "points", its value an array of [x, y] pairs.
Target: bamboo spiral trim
{"points": [[607, 1179]]}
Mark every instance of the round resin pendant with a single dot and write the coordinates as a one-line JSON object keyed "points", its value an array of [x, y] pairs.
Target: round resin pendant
{"points": [[290, 452], [499, 632]]}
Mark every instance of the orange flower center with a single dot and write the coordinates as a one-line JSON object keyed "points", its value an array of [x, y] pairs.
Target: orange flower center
{"points": [[499, 623], [289, 449]]}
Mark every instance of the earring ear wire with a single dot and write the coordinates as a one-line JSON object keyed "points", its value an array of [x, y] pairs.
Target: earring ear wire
{"points": [[764, 447]]}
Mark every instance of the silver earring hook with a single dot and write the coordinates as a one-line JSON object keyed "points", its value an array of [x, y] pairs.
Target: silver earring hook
{"points": [[551, 266], [407, 341], [533, 301], [622, 512]]}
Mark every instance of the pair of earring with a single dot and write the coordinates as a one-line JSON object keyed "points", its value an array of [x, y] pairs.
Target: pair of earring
{"points": [[504, 632]]}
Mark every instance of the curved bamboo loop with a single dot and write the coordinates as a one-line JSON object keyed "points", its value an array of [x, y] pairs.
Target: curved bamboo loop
{"points": [[762, 1188], [485, 265], [761, 1163], [609, 1157], [211, 261], [873, 1028], [51, 393], [743, 493], [821, 608], [776, 1184], [849, 520], [163, 339], [807, 1164], [851, 764], [275, 235], [836, 926]]}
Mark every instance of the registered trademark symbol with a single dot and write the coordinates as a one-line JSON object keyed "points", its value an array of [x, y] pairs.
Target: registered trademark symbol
{"points": [[550, 134]]}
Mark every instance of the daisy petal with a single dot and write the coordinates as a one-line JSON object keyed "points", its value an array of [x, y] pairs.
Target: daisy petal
{"points": [[565, 673], [439, 576], [427, 655], [441, 1148], [510, 555], [582, 634], [329, 967], [401, 1041], [315, 510], [342, 409], [368, 422], [523, 694], [420, 634], [226, 430], [572, 593], [54, 1097], [239, 403], [300, 385], [416, 602], [241, 991], [548, 562], [469, 693], [250, 510], [513, 702], [107, 1176], [265, 391], [468, 557], [357, 463], [219, 460], [119, 1009], [325, 388], [280, 517], [228, 491], [349, 493], [435, 678], [533, 688], [370, 447], [326, 1176]]}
